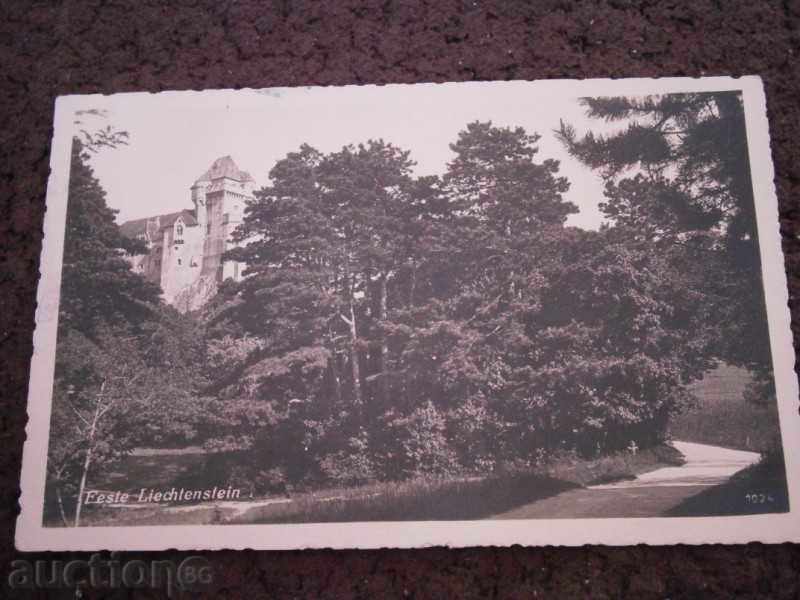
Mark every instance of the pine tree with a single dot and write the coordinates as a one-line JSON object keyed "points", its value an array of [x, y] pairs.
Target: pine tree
{"points": [[678, 177], [97, 283]]}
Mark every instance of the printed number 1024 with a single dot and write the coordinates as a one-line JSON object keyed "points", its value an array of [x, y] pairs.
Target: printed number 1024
{"points": [[758, 498]]}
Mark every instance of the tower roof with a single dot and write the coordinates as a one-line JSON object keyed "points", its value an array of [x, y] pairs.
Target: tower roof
{"points": [[224, 167]]}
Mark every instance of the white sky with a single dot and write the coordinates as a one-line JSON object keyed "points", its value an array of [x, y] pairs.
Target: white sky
{"points": [[176, 136]]}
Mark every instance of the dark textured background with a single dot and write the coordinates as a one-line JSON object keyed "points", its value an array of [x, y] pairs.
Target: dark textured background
{"points": [[51, 48]]}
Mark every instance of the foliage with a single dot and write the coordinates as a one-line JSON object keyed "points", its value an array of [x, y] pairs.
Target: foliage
{"points": [[352, 465], [394, 327], [677, 175], [97, 284], [731, 409], [127, 367], [424, 447]]}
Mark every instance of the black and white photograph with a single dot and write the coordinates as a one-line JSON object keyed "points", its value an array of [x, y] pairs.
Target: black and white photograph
{"points": [[544, 307]]}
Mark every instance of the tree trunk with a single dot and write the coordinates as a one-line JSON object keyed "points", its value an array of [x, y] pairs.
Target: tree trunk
{"points": [[349, 281], [337, 379], [413, 286], [333, 364], [354, 355], [87, 462], [384, 360], [61, 506]]}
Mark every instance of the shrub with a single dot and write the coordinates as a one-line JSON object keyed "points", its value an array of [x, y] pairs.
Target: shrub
{"points": [[423, 441], [272, 481], [473, 432], [353, 465]]}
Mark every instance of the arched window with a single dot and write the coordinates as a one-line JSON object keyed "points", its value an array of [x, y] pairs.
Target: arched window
{"points": [[179, 230]]}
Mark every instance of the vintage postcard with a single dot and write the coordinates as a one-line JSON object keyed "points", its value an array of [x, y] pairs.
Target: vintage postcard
{"points": [[397, 316]]}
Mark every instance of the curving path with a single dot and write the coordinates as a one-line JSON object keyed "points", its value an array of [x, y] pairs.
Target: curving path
{"points": [[650, 494], [705, 465]]}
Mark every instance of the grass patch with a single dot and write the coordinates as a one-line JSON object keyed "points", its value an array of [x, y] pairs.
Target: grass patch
{"points": [[414, 500], [99, 516], [420, 499], [615, 467], [723, 417], [152, 471], [459, 499]]}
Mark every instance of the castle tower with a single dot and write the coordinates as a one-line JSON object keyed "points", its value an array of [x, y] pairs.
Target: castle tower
{"points": [[219, 196], [199, 188], [186, 247]]}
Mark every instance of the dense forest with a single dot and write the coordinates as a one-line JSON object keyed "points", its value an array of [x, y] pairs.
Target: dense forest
{"points": [[391, 325]]}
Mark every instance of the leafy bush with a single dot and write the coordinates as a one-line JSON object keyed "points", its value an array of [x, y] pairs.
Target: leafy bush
{"points": [[473, 433], [423, 440], [353, 465]]}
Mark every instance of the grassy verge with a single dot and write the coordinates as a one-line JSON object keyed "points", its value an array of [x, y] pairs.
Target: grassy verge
{"points": [[615, 467], [459, 499], [415, 500], [156, 515], [453, 498]]}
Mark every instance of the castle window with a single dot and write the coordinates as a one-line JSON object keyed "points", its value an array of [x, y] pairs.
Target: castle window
{"points": [[179, 231], [225, 218], [180, 262]]}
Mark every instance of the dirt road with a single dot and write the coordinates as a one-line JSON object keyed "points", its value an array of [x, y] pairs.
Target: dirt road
{"points": [[649, 495]]}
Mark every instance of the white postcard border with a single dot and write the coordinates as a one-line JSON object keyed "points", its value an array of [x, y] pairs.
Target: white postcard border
{"points": [[31, 535]]}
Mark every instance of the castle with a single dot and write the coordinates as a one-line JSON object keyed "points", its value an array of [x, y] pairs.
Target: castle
{"points": [[186, 247]]}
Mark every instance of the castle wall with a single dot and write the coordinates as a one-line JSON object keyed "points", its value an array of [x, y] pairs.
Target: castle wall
{"points": [[181, 260], [149, 265]]}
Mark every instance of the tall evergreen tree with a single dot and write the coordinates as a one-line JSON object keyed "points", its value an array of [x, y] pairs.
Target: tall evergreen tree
{"points": [[324, 246], [97, 283], [473, 357], [677, 175]]}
